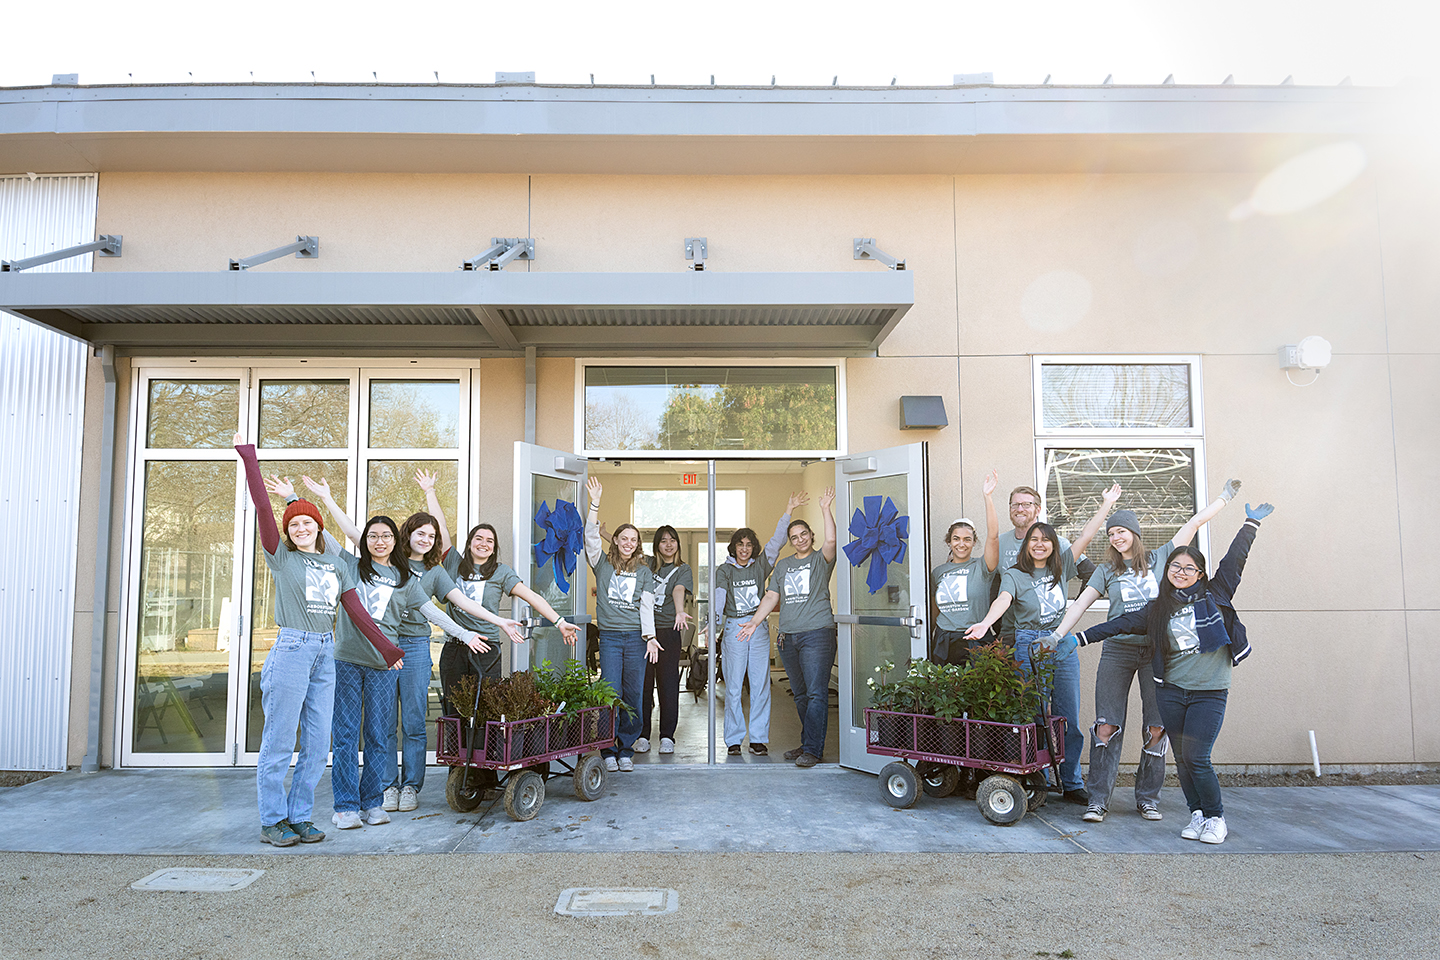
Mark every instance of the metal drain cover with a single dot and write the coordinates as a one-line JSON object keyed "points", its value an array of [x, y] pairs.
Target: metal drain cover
{"points": [[197, 879], [616, 901]]}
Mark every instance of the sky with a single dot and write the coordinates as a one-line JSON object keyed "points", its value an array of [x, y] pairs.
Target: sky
{"points": [[924, 42]]}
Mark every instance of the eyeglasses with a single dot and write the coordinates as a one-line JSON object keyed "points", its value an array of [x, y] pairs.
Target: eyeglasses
{"points": [[1028, 504], [1185, 571], [380, 536]]}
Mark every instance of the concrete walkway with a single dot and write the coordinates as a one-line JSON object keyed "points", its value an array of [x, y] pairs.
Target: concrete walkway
{"points": [[723, 809]]}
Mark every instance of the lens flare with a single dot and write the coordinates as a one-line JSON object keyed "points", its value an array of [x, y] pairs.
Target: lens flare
{"points": [[1305, 180]]}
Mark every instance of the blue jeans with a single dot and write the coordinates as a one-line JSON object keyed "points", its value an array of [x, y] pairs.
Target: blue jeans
{"points": [[622, 665], [1192, 721], [808, 657], [297, 688], [364, 697], [414, 688], [1064, 699], [738, 658]]}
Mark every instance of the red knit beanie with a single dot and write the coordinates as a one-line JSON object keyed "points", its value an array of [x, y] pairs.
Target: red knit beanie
{"points": [[300, 508]]}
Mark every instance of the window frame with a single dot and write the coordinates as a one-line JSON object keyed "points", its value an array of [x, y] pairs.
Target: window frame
{"points": [[841, 424], [1197, 424]]}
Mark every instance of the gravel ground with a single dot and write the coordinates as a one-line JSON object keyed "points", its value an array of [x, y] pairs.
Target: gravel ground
{"points": [[734, 906]]}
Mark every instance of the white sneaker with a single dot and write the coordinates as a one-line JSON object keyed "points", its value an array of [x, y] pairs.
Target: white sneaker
{"points": [[1150, 811], [667, 745], [1214, 830], [626, 765], [642, 745], [376, 816], [392, 799], [612, 766], [347, 819], [1094, 815], [1197, 823], [409, 798]]}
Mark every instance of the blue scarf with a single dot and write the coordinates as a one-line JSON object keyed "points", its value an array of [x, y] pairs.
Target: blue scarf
{"points": [[1209, 624]]}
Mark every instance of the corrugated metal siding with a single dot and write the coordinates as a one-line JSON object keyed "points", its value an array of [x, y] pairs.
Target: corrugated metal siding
{"points": [[42, 406]]}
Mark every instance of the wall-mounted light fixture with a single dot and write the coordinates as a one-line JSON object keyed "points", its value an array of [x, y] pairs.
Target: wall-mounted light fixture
{"points": [[923, 413], [1312, 353]]}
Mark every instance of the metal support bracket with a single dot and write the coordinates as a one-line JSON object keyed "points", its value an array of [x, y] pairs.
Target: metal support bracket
{"points": [[502, 250], [865, 249], [695, 249], [304, 248], [109, 245]]}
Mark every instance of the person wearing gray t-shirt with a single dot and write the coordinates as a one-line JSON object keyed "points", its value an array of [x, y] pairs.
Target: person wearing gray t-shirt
{"points": [[800, 588], [960, 587], [1127, 578]]}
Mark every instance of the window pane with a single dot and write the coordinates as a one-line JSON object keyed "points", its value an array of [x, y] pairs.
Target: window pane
{"points": [[1110, 396], [304, 414], [872, 645], [414, 413], [688, 509], [198, 414], [710, 408], [262, 607], [392, 489], [1159, 486], [186, 562]]}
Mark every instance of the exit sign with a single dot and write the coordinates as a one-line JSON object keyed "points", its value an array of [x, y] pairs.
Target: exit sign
{"points": [[689, 479]]}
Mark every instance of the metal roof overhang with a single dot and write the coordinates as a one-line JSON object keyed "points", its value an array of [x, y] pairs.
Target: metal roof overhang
{"points": [[481, 313]]}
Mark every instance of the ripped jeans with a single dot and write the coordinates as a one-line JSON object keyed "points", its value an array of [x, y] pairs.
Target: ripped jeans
{"points": [[1120, 664]]}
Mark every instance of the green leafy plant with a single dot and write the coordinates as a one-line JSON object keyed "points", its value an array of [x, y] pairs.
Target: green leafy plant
{"points": [[576, 687], [1000, 689], [513, 698]]}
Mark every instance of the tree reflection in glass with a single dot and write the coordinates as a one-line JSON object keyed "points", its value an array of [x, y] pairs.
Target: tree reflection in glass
{"points": [[414, 414], [304, 414], [192, 414]]}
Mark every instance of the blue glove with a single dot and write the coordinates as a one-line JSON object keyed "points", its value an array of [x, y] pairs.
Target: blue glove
{"points": [[1260, 512], [1068, 645]]}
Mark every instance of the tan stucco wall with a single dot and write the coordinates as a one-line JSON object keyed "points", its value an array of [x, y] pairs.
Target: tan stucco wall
{"points": [[1343, 646]]}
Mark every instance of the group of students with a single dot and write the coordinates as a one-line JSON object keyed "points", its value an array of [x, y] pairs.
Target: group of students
{"points": [[1171, 626]]}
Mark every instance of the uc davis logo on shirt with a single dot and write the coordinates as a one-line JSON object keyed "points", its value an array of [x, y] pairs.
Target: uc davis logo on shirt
{"points": [[1052, 598], [1135, 592], [622, 588], [322, 587], [747, 598], [797, 583], [474, 590], [954, 588], [377, 598]]}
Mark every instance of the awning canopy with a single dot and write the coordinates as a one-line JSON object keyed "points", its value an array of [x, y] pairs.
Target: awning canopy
{"points": [[477, 313]]}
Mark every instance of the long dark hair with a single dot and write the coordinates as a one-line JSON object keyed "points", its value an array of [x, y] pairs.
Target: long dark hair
{"points": [[414, 522], [636, 558], [1163, 607], [1023, 560], [486, 570], [367, 562], [741, 534], [656, 562]]}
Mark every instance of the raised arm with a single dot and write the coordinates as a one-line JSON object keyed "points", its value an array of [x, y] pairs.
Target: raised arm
{"points": [[996, 611], [321, 489], [1232, 566], [355, 610], [264, 509], [827, 511], [593, 550], [782, 527], [542, 606], [1077, 610], [1192, 526], [1093, 525], [426, 480], [992, 522], [768, 603]]}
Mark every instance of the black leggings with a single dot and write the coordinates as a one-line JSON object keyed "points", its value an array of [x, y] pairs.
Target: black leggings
{"points": [[457, 660], [668, 673]]}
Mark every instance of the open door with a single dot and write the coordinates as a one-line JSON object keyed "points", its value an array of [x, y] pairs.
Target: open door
{"points": [[545, 476], [891, 621]]}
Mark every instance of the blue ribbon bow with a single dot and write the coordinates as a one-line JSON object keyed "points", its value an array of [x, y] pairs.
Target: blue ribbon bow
{"points": [[880, 533], [563, 541]]}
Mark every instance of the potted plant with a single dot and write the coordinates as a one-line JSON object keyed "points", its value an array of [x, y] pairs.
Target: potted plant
{"points": [[998, 689], [576, 689], [516, 698]]}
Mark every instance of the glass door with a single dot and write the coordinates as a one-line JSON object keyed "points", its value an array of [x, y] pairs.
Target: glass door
{"points": [[877, 619], [548, 485]]}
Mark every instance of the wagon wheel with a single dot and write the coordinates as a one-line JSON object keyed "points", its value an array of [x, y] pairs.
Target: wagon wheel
{"points": [[1036, 791], [463, 789], [589, 777], [899, 785], [1001, 799], [940, 779], [524, 793]]}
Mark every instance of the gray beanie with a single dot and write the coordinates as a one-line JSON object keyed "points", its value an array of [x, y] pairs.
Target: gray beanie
{"points": [[1124, 518]]}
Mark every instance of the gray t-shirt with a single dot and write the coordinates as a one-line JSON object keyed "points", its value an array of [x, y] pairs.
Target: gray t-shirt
{"points": [[667, 578], [1128, 591], [490, 594], [1039, 601], [386, 602], [307, 588], [962, 593], [804, 588], [618, 594], [1185, 666], [1009, 553], [435, 583], [743, 586]]}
